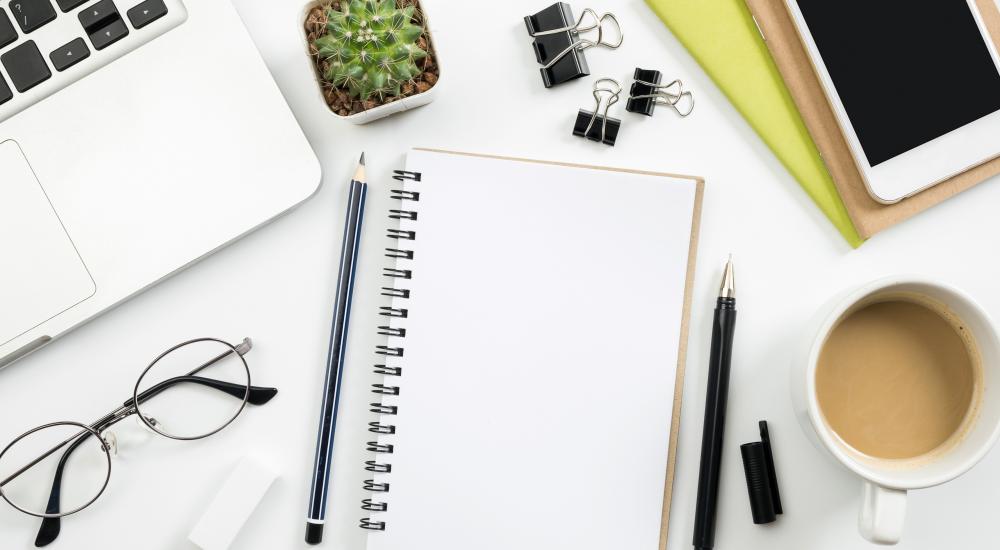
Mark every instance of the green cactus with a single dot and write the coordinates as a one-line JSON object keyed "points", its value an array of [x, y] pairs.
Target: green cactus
{"points": [[371, 47]]}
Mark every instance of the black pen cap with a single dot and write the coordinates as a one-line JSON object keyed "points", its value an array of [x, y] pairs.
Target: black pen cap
{"points": [[762, 482], [772, 476]]}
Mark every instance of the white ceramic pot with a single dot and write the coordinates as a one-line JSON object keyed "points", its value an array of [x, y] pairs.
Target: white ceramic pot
{"points": [[885, 483], [382, 111]]}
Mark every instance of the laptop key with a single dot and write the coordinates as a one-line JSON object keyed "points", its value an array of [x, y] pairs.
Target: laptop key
{"points": [[98, 16], [32, 14], [5, 93], [147, 12], [109, 35], [25, 66], [69, 54], [7, 32], [67, 5]]}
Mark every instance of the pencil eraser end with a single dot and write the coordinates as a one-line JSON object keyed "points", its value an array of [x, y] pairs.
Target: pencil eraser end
{"points": [[232, 506], [314, 533]]}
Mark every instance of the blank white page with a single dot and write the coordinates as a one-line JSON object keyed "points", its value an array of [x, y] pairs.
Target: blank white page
{"points": [[542, 339]]}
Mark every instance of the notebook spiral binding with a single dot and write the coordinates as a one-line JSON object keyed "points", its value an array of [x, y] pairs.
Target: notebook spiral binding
{"points": [[396, 276]]}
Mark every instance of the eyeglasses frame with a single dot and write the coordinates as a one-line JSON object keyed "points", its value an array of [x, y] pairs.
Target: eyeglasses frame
{"points": [[251, 394]]}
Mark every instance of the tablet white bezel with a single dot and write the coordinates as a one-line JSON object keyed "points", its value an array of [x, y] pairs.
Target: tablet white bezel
{"points": [[927, 164]]}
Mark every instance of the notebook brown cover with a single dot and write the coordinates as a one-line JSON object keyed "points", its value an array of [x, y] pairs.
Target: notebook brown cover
{"points": [[868, 215]]}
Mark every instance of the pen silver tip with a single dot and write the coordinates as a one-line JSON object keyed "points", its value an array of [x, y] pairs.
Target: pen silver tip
{"points": [[728, 287], [362, 161]]}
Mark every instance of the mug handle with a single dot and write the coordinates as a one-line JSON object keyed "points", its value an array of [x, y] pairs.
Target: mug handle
{"points": [[882, 513]]}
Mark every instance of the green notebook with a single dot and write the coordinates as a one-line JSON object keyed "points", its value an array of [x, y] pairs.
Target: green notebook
{"points": [[722, 36]]}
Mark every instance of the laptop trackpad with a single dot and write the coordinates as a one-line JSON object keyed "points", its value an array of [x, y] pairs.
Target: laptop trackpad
{"points": [[41, 273]]}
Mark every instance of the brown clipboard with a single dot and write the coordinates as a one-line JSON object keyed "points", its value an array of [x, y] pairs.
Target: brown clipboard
{"points": [[868, 215]]}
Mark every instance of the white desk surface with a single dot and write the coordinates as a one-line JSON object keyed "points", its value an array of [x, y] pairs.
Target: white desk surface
{"points": [[276, 286]]}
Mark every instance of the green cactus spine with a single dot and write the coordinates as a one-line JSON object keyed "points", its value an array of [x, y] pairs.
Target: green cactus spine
{"points": [[370, 47]]}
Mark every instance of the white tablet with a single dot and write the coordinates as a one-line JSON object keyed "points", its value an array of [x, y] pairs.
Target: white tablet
{"points": [[915, 87]]}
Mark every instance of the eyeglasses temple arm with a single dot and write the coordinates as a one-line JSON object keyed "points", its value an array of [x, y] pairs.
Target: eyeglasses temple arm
{"points": [[258, 395], [242, 349], [50, 527]]}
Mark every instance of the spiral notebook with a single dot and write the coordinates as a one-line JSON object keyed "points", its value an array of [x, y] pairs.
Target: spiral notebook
{"points": [[534, 355]]}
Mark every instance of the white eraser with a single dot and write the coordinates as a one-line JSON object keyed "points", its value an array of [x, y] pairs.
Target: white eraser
{"points": [[232, 506]]}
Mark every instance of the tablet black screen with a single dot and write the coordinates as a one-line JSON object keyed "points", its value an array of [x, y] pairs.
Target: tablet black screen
{"points": [[907, 72]]}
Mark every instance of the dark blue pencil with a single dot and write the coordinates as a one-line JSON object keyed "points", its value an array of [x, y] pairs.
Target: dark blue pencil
{"points": [[316, 517]]}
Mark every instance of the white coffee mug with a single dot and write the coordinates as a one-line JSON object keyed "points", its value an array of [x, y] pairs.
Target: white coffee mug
{"points": [[885, 482]]}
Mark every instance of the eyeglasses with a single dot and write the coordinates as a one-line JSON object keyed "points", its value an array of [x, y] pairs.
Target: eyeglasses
{"points": [[58, 469]]}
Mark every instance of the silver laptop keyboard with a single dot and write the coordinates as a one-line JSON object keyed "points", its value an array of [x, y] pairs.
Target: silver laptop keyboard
{"points": [[46, 45]]}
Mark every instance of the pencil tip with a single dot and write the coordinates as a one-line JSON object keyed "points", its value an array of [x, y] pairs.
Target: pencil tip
{"points": [[362, 161]]}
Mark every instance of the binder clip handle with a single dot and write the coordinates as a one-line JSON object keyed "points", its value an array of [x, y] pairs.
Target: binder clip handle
{"points": [[582, 44], [646, 92], [606, 92]]}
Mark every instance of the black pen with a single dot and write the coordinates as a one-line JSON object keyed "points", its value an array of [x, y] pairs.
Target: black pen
{"points": [[316, 516], [715, 411]]}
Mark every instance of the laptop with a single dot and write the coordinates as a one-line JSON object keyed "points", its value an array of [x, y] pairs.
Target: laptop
{"points": [[136, 137]]}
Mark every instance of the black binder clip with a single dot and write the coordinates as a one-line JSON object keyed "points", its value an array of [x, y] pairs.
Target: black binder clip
{"points": [[647, 92], [597, 125], [558, 45]]}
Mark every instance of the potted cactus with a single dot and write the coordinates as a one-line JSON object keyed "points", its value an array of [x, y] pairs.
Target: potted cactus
{"points": [[372, 58]]}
